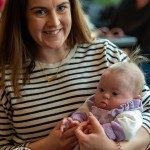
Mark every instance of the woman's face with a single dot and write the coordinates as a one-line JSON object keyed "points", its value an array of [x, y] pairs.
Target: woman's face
{"points": [[49, 22]]}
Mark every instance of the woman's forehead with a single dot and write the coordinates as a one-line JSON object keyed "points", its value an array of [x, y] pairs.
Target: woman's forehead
{"points": [[46, 2]]}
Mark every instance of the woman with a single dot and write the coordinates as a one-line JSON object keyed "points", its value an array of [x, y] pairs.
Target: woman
{"points": [[45, 73]]}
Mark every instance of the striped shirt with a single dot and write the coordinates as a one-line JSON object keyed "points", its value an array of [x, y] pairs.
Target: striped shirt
{"points": [[43, 104]]}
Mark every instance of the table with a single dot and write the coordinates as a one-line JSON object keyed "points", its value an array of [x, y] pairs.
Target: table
{"points": [[124, 42]]}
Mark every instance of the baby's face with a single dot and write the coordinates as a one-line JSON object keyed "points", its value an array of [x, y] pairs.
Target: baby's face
{"points": [[113, 90]]}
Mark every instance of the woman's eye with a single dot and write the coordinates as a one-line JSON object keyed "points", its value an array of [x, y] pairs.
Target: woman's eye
{"points": [[61, 8], [41, 12]]}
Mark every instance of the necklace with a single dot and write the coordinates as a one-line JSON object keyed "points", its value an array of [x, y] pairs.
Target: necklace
{"points": [[53, 77]]}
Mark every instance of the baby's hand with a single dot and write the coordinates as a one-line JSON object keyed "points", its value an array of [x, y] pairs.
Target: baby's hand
{"points": [[68, 123]]}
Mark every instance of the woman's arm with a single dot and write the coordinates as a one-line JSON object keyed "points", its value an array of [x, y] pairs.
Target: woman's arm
{"points": [[6, 128], [54, 141], [140, 141]]}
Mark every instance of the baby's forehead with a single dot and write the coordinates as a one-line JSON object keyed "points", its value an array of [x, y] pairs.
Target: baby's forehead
{"points": [[116, 77], [116, 71], [121, 68]]}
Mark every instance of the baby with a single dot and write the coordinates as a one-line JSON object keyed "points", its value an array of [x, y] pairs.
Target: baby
{"points": [[116, 104]]}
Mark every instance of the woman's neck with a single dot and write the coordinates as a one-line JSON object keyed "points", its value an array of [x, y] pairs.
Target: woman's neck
{"points": [[52, 56]]}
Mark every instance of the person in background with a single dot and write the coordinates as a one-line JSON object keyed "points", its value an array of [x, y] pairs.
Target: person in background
{"points": [[47, 60], [2, 2], [132, 18], [116, 104]]}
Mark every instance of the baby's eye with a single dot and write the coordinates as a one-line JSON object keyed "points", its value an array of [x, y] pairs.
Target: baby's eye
{"points": [[101, 89], [115, 93]]}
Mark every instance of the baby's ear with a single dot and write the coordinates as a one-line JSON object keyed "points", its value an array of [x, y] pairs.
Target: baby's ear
{"points": [[137, 97]]}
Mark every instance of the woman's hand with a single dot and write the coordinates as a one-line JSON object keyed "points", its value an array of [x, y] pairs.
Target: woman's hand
{"points": [[96, 139], [57, 140], [68, 123], [63, 141]]}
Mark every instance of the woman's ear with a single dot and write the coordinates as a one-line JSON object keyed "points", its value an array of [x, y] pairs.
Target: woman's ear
{"points": [[137, 97]]}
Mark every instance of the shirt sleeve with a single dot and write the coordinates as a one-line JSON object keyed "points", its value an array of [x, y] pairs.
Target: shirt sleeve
{"points": [[125, 125], [146, 108], [82, 113], [6, 129]]}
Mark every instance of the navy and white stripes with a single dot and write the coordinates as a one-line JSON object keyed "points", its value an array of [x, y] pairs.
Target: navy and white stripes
{"points": [[44, 104]]}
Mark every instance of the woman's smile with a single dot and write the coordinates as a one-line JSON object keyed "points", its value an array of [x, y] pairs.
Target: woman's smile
{"points": [[55, 32], [49, 23]]}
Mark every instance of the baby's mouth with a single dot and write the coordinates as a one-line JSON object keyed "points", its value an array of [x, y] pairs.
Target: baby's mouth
{"points": [[102, 105]]}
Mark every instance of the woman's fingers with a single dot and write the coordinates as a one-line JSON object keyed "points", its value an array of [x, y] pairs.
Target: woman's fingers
{"points": [[95, 125], [79, 133]]}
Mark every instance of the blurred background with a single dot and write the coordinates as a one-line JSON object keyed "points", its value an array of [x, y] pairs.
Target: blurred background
{"points": [[126, 23]]}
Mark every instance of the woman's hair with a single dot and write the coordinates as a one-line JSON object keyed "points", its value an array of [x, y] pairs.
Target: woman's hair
{"points": [[17, 46]]}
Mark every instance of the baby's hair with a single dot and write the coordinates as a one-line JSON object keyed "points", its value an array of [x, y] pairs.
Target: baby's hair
{"points": [[137, 58], [131, 68]]}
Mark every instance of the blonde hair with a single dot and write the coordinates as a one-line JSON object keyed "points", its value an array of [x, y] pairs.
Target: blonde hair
{"points": [[17, 46], [131, 68]]}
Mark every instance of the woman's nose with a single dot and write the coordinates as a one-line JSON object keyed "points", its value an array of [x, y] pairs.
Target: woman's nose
{"points": [[53, 19]]}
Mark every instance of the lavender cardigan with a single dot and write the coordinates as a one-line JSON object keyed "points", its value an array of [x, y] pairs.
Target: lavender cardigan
{"points": [[119, 124]]}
